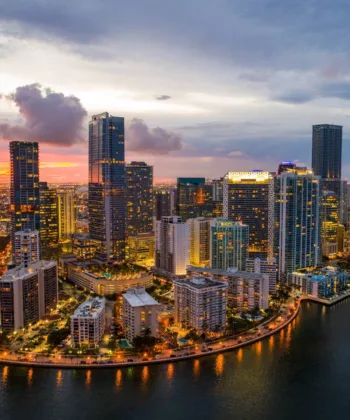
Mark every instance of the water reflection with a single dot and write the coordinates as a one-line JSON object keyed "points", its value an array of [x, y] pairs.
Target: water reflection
{"points": [[59, 379], [5, 374], [88, 378], [219, 365], [271, 343], [240, 354], [118, 379], [144, 375], [196, 368], [282, 336], [30, 377], [258, 348], [170, 371]]}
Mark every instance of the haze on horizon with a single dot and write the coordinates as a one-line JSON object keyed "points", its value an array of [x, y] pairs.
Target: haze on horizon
{"points": [[205, 87]]}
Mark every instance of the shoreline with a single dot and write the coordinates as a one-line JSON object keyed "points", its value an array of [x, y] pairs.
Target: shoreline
{"points": [[227, 348]]}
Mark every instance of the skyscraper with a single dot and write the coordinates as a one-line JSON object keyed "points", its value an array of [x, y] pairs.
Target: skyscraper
{"points": [[172, 245], [229, 244], [24, 195], [330, 223], [107, 186], [199, 241], [162, 203], [249, 197], [67, 214], [139, 198], [194, 198], [298, 221], [327, 150], [48, 216]]}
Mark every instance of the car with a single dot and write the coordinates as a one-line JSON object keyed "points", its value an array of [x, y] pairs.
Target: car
{"points": [[210, 348], [173, 355], [109, 362], [95, 362], [144, 359], [130, 360], [239, 341], [186, 354], [82, 362], [204, 350]]}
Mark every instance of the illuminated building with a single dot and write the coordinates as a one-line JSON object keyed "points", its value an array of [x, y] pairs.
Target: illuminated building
{"points": [[285, 167], [48, 216], [67, 215], [87, 324], [330, 222], [172, 245], [199, 241], [228, 244], [141, 249], [83, 247], [260, 266], [327, 150], [194, 198], [27, 248], [107, 186], [200, 303], [298, 221], [139, 313], [218, 186], [139, 198], [162, 203], [249, 197], [246, 291], [24, 194], [27, 294]]}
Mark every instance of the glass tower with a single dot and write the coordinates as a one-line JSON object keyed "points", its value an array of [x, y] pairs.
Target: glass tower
{"points": [[194, 198], [24, 195], [48, 216], [327, 150], [107, 186]]}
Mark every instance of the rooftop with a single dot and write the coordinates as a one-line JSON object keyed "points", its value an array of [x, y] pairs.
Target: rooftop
{"points": [[139, 297], [229, 272], [91, 308], [199, 282], [18, 272]]}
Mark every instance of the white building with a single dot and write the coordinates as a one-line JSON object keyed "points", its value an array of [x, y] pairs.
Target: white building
{"points": [[246, 291], [200, 303], [172, 245], [140, 312], [87, 324], [264, 266], [27, 247], [200, 235], [27, 294]]}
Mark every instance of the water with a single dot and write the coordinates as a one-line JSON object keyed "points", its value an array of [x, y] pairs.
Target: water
{"points": [[301, 373]]}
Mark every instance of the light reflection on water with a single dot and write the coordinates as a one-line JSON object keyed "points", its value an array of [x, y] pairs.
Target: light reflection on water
{"points": [[59, 379], [118, 379], [219, 365], [145, 375], [30, 377], [5, 374], [88, 379], [196, 368], [170, 371]]}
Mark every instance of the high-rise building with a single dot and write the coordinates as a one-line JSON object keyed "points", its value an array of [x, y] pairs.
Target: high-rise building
{"points": [[83, 247], [193, 198], [162, 203], [218, 186], [172, 245], [87, 324], [298, 221], [229, 244], [139, 313], [200, 235], [285, 167], [24, 194], [327, 150], [67, 215], [107, 186], [330, 223], [141, 249], [48, 216], [249, 197], [260, 266], [27, 294], [139, 198], [200, 303], [27, 248]]}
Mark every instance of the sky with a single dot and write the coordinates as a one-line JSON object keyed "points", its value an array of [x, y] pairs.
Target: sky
{"points": [[206, 87]]}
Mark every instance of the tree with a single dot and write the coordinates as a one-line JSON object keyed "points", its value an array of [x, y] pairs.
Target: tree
{"points": [[56, 336], [144, 343]]}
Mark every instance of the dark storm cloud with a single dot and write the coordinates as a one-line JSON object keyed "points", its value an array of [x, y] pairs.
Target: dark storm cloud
{"points": [[48, 117], [163, 97], [156, 141]]}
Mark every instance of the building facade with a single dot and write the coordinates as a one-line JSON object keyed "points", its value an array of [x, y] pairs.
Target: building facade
{"points": [[330, 223], [107, 186], [24, 187], [48, 216], [249, 198], [193, 198], [27, 248], [139, 198], [228, 244], [298, 221], [268, 266], [87, 324], [139, 313], [67, 215], [172, 245], [200, 235], [200, 303], [141, 249], [83, 247], [162, 203]]}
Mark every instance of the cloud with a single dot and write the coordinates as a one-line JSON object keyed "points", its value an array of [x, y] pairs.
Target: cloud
{"points": [[163, 97], [48, 117], [156, 141], [235, 153]]}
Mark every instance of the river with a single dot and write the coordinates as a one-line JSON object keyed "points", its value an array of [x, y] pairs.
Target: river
{"points": [[303, 372]]}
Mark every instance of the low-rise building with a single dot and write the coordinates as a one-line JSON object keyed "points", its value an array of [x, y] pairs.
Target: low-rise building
{"points": [[103, 283], [264, 266], [323, 283], [141, 249], [83, 247], [88, 323], [27, 294], [246, 291], [200, 303], [139, 313]]}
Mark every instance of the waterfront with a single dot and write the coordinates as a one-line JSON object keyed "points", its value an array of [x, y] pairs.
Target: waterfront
{"points": [[303, 371]]}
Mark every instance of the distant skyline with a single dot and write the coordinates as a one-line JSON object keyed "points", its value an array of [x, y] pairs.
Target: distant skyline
{"points": [[236, 86]]}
